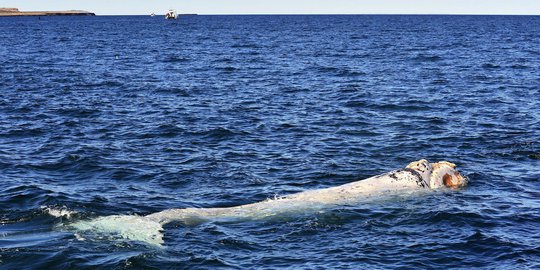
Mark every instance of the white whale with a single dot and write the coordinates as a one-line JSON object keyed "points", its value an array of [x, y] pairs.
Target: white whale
{"points": [[417, 176]]}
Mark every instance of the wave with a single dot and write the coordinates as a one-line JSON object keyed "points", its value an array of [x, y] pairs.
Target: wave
{"points": [[164, 131], [228, 69], [71, 161], [176, 59], [216, 133], [490, 66], [23, 132], [402, 106], [31, 196], [173, 90], [245, 46], [427, 58], [343, 72], [78, 112], [518, 66], [100, 83], [58, 212]]}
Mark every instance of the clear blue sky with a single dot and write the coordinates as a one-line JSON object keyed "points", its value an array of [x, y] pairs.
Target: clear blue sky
{"points": [[127, 7]]}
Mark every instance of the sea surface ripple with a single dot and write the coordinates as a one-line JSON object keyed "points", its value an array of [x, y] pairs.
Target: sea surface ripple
{"points": [[134, 115]]}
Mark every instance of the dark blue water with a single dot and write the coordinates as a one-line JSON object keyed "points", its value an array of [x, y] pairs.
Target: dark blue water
{"points": [[134, 115]]}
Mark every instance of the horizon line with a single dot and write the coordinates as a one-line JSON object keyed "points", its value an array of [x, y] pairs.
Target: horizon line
{"points": [[326, 14]]}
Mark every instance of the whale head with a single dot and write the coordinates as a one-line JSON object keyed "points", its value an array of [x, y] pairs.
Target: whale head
{"points": [[439, 174], [445, 174]]}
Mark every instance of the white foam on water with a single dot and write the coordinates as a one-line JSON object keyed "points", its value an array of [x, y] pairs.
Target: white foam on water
{"points": [[58, 211], [136, 228]]}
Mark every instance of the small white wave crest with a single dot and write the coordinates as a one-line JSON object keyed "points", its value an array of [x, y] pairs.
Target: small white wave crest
{"points": [[58, 211]]}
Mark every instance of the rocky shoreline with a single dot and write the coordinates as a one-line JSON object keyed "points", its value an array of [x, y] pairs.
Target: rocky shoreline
{"points": [[15, 12]]}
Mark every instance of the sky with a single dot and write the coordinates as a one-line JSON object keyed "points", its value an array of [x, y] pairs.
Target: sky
{"points": [[143, 7]]}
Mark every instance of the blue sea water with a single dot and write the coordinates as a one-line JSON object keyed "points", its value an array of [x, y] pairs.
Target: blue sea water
{"points": [[133, 115]]}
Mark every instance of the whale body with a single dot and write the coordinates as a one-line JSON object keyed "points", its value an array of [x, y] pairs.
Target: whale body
{"points": [[416, 177]]}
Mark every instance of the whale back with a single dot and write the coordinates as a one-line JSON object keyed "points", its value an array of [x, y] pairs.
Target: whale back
{"points": [[416, 177]]}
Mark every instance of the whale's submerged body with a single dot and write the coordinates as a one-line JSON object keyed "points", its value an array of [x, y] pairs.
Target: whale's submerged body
{"points": [[416, 177]]}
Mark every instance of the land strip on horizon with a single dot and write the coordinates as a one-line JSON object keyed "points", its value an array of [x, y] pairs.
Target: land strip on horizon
{"points": [[16, 12]]}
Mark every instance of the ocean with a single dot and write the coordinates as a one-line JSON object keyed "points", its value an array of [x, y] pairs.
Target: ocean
{"points": [[131, 115]]}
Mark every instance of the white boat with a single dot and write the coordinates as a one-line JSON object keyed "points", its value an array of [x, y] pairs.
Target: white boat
{"points": [[171, 15]]}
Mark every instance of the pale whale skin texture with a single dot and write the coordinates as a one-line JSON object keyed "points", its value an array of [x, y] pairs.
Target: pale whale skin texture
{"points": [[416, 177], [419, 175]]}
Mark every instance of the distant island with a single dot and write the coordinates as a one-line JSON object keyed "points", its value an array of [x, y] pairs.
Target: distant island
{"points": [[16, 12]]}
